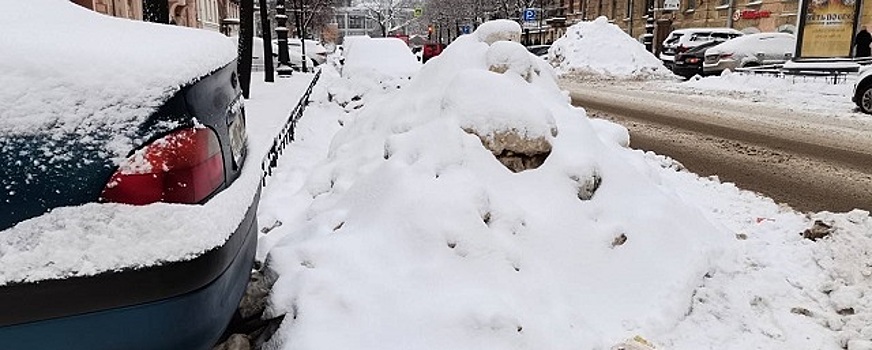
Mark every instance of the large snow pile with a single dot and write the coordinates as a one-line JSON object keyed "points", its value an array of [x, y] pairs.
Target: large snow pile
{"points": [[601, 50], [420, 231]]}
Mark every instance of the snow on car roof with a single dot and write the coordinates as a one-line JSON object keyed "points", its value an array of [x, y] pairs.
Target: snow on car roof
{"points": [[383, 56], [77, 71], [760, 42]]}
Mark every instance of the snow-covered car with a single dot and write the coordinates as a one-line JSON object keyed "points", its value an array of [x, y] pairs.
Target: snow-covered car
{"points": [[539, 50], [750, 51], [379, 60], [682, 40], [314, 50], [316, 54], [688, 64], [128, 209]]}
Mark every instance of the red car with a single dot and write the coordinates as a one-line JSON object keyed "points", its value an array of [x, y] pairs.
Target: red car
{"points": [[431, 50]]}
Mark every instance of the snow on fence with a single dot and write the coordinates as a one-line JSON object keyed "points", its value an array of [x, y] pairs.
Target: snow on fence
{"points": [[286, 135]]}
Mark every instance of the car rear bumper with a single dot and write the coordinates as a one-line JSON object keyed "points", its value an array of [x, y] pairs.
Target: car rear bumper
{"points": [[687, 71], [720, 66], [181, 305]]}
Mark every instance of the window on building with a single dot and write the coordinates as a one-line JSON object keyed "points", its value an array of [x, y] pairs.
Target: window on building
{"points": [[724, 3], [571, 7], [691, 4], [356, 22], [629, 9]]}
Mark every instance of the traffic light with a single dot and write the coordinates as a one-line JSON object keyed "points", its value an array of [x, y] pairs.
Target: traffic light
{"points": [[430, 32]]}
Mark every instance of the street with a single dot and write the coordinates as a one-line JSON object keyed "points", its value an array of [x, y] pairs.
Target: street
{"points": [[755, 148]]}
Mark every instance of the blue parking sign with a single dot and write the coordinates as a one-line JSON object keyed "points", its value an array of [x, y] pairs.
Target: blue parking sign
{"points": [[529, 15]]}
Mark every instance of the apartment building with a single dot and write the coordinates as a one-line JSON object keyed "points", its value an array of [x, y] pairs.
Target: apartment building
{"points": [[750, 16], [217, 15]]}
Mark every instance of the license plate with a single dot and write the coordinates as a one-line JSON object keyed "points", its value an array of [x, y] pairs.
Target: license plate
{"points": [[238, 136]]}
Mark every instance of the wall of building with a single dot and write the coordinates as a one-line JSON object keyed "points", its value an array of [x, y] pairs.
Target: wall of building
{"points": [[630, 15]]}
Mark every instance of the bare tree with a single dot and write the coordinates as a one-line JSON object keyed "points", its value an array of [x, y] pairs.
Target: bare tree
{"points": [[389, 15], [311, 14]]}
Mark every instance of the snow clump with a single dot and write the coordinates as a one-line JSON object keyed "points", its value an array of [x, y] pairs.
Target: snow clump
{"points": [[601, 50]]}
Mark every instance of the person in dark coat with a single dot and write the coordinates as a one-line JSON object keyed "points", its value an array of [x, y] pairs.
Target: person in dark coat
{"points": [[862, 42]]}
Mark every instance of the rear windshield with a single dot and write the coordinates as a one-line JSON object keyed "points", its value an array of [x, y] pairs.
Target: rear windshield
{"points": [[700, 37]]}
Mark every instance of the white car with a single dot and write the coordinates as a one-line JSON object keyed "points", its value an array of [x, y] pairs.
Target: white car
{"points": [[314, 50], [862, 95], [749, 51], [295, 54], [682, 40]]}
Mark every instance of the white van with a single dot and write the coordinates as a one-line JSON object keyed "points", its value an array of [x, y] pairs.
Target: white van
{"points": [[681, 40]]}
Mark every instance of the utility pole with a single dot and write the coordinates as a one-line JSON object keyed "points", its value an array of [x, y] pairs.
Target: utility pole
{"points": [[730, 13]]}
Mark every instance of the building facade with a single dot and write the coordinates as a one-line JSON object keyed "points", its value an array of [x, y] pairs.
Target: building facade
{"points": [[749, 16], [217, 15]]}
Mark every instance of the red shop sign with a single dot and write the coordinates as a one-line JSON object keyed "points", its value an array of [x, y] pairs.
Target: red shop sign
{"points": [[754, 14]]}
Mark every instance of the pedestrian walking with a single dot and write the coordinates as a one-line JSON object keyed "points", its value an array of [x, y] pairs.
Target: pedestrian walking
{"points": [[862, 42]]}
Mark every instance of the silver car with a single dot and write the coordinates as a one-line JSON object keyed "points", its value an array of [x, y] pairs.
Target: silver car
{"points": [[749, 51]]}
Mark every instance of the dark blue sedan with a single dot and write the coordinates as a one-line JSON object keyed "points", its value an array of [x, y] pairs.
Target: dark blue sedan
{"points": [[147, 154]]}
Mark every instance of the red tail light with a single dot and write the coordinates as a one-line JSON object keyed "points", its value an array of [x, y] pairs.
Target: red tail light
{"points": [[183, 167], [693, 60], [726, 55]]}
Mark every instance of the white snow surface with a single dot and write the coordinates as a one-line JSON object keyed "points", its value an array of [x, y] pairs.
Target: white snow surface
{"points": [[76, 71], [410, 234], [601, 50]]}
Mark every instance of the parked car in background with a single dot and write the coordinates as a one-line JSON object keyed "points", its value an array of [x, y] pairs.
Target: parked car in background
{"points": [[749, 51], [96, 137], [682, 40], [379, 61], [539, 50], [862, 95], [689, 63], [314, 50], [295, 56]]}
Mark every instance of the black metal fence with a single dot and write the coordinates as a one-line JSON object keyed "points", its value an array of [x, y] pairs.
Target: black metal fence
{"points": [[286, 136]]}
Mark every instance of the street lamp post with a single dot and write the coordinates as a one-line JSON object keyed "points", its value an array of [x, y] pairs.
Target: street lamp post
{"points": [[284, 68]]}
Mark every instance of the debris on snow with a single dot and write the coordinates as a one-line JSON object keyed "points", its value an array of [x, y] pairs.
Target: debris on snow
{"points": [[817, 231]]}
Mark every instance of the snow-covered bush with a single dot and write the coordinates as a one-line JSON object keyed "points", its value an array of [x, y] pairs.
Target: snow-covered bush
{"points": [[601, 50]]}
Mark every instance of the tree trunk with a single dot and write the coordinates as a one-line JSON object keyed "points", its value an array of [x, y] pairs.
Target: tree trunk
{"points": [[246, 32], [157, 11], [267, 43]]}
